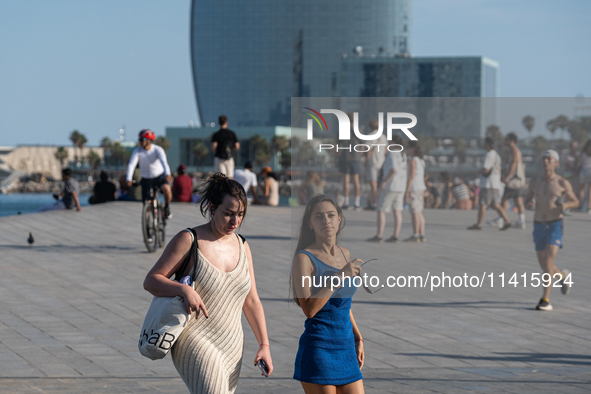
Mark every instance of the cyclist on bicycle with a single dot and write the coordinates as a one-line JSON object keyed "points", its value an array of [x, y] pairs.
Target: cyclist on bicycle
{"points": [[153, 168]]}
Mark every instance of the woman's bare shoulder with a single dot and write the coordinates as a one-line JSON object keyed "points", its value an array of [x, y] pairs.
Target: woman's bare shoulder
{"points": [[346, 252]]}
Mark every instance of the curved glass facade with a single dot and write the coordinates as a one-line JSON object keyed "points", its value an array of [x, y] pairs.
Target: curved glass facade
{"points": [[250, 57]]}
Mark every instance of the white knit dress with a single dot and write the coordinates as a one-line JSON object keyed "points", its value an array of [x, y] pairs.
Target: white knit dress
{"points": [[208, 353]]}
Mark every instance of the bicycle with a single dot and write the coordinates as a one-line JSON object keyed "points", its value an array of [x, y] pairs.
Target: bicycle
{"points": [[153, 221]]}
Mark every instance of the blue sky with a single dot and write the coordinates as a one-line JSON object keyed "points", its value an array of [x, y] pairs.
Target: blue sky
{"points": [[97, 66]]}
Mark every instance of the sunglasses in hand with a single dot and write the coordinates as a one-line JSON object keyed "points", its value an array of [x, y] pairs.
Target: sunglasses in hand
{"points": [[367, 289]]}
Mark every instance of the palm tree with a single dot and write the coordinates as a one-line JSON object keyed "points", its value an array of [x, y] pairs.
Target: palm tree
{"points": [[106, 144], [539, 145], [279, 143], [461, 148], [551, 126], [61, 154], [528, 122], [75, 138], [262, 149], [163, 142], [280, 146], [285, 160], [493, 131], [94, 160], [561, 123], [200, 151], [118, 152], [82, 140]]}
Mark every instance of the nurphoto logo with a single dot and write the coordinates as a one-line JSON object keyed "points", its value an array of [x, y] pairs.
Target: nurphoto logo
{"points": [[345, 129]]}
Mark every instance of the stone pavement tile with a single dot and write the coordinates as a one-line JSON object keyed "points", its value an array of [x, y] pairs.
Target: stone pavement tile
{"points": [[12, 386], [83, 365]]}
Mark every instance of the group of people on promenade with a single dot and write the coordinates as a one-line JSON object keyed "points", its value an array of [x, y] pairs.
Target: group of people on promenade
{"points": [[330, 353]]}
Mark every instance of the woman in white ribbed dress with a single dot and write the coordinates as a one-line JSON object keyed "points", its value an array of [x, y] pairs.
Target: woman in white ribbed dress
{"points": [[208, 353]]}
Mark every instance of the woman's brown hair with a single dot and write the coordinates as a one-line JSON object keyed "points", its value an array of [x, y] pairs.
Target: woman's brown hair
{"points": [[215, 188]]}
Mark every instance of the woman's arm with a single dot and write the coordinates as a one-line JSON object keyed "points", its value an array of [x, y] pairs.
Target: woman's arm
{"points": [[253, 310], [358, 341], [412, 167], [303, 275], [387, 178], [157, 281]]}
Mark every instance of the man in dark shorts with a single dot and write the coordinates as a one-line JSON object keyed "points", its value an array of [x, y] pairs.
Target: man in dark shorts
{"points": [[514, 180], [550, 191], [153, 168], [224, 142], [350, 165]]}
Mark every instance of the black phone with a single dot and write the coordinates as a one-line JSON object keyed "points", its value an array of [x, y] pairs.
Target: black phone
{"points": [[263, 366]]}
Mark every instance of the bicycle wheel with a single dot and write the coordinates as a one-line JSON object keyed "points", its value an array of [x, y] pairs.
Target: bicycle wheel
{"points": [[148, 228], [161, 224]]}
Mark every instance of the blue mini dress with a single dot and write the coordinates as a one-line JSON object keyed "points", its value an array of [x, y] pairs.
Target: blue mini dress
{"points": [[326, 353]]}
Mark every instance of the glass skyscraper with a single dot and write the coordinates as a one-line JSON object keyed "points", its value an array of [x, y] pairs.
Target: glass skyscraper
{"points": [[250, 57]]}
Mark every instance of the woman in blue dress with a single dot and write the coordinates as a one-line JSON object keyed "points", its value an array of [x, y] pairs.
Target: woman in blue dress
{"points": [[330, 354]]}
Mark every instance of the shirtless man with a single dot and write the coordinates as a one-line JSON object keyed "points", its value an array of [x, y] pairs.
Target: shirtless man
{"points": [[514, 180], [549, 192]]}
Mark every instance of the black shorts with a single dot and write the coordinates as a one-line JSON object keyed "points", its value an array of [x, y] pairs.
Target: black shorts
{"points": [[155, 183], [350, 167], [509, 193]]}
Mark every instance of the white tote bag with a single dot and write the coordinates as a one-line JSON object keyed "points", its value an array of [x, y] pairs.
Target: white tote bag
{"points": [[166, 319]]}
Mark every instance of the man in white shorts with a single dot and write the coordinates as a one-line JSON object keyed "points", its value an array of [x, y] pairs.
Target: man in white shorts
{"points": [[224, 143], [391, 196], [490, 182], [373, 164]]}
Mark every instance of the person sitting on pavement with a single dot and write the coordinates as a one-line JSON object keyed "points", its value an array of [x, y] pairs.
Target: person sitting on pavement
{"points": [[270, 188], [69, 198], [248, 180], [432, 198], [182, 187], [446, 194], [462, 195], [153, 168], [104, 190]]}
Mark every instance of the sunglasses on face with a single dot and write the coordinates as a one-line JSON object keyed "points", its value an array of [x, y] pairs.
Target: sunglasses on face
{"points": [[142, 139]]}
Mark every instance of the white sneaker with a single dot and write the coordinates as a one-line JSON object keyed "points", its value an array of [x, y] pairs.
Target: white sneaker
{"points": [[519, 224], [565, 287], [498, 222]]}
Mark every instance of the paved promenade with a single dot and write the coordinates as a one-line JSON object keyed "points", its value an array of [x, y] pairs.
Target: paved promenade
{"points": [[71, 306]]}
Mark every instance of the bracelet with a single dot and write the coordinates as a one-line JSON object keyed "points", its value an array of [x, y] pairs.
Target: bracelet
{"points": [[359, 339], [264, 344]]}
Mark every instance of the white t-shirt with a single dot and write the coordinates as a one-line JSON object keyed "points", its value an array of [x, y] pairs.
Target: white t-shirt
{"points": [[396, 161], [246, 178], [418, 182], [492, 160], [152, 162], [378, 157]]}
